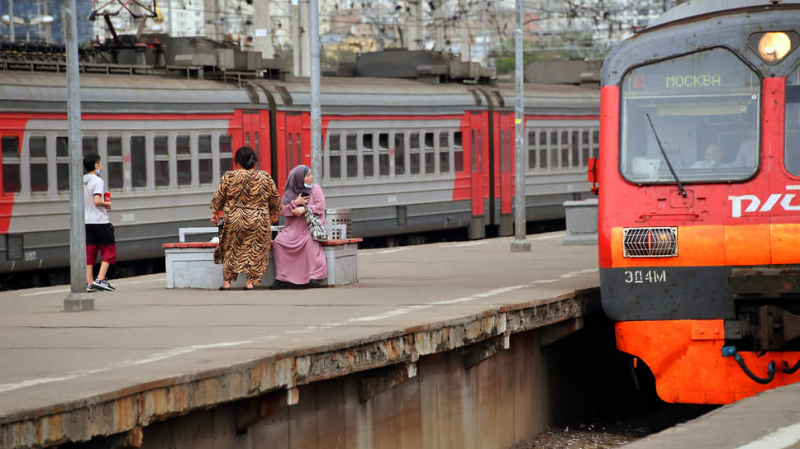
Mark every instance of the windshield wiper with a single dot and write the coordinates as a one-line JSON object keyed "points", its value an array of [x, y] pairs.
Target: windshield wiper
{"points": [[664, 153]]}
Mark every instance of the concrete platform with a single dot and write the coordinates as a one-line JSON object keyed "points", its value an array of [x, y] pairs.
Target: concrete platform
{"points": [[770, 420], [147, 353]]}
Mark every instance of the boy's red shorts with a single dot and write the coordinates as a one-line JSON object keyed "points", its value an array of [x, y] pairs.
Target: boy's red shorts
{"points": [[108, 253]]}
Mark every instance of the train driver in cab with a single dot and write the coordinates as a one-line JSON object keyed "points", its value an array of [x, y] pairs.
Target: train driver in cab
{"points": [[713, 158]]}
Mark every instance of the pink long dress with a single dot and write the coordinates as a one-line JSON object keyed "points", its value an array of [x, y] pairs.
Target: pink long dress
{"points": [[298, 257]]}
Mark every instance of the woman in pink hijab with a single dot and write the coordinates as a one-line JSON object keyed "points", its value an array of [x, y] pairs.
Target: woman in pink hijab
{"points": [[298, 257]]}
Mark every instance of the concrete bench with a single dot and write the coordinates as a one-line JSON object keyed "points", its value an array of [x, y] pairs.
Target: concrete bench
{"points": [[191, 264], [581, 217]]}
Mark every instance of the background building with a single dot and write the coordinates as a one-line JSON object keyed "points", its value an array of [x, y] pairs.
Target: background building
{"points": [[479, 30]]}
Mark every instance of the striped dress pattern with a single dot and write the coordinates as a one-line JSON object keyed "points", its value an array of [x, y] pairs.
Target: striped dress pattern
{"points": [[248, 199]]}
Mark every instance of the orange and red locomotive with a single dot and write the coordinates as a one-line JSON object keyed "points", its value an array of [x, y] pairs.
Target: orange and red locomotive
{"points": [[699, 198]]}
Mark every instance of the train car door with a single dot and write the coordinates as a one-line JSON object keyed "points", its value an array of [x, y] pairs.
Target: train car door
{"points": [[477, 144], [253, 136], [505, 172], [294, 143]]}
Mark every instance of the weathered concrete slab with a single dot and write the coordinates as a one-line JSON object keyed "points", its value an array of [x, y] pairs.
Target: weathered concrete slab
{"points": [[769, 420], [147, 354]]}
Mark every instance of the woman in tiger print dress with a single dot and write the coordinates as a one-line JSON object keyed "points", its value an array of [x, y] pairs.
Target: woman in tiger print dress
{"points": [[249, 200]]}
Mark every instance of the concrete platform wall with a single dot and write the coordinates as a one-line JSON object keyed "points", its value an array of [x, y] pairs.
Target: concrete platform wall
{"points": [[492, 404]]}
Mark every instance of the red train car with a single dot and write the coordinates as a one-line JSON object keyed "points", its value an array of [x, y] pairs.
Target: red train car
{"points": [[403, 156], [699, 173]]}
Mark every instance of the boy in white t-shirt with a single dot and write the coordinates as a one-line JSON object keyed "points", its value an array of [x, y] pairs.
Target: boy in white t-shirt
{"points": [[99, 230]]}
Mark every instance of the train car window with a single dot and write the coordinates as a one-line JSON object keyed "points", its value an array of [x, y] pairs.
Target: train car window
{"points": [[475, 149], [204, 159], [509, 150], [430, 155], [399, 154], [369, 158], [553, 150], [542, 149], [90, 145], [290, 153], [413, 150], [703, 106], [299, 142], [37, 151], [444, 153], [384, 164], [458, 152], [113, 165], [565, 154], [334, 155], [161, 156], [792, 137], [138, 162], [531, 146], [184, 156], [225, 153], [585, 148], [62, 164], [256, 142], [502, 152], [366, 141], [351, 143], [10, 153], [595, 143], [574, 144]]}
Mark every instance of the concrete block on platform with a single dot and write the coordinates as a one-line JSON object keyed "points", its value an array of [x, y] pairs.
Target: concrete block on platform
{"points": [[342, 259], [581, 219], [191, 265]]}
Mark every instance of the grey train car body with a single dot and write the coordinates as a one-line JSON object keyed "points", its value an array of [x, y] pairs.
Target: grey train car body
{"points": [[165, 143]]}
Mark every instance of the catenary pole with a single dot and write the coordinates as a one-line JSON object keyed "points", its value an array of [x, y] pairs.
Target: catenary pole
{"points": [[483, 36], [405, 24], [519, 243], [316, 115], [11, 20], [78, 299]]}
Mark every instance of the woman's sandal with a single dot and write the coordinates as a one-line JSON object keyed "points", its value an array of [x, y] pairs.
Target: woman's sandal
{"points": [[224, 289], [248, 288]]}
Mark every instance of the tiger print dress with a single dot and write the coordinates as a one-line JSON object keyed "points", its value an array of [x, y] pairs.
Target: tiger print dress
{"points": [[249, 199]]}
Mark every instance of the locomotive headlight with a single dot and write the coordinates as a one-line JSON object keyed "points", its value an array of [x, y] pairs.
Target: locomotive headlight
{"points": [[774, 46]]}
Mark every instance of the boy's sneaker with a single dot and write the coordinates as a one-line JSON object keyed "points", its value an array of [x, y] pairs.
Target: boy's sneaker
{"points": [[89, 288], [103, 285]]}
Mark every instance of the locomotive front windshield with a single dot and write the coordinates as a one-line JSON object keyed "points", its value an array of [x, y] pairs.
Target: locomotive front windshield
{"points": [[705, 110]]}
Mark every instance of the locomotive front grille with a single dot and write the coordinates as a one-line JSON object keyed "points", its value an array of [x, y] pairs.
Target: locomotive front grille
{"points": [[650, 242]]}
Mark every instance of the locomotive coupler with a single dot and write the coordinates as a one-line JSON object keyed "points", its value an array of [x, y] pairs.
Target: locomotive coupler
{"points": [[730, 351]]}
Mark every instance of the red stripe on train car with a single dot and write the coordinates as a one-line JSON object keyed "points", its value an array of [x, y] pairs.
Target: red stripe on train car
{"points": [[563, 117], [349, 118], [11, 126], [606, 170], [462, 188], [93, 116]]}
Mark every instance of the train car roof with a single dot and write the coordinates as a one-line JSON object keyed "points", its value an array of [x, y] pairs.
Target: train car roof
{"points": [[46, 92], [694, 8], [373, 95], [552, 99]]}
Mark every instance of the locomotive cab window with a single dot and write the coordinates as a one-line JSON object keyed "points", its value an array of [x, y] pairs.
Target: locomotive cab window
{"points": [[705, 112]]}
